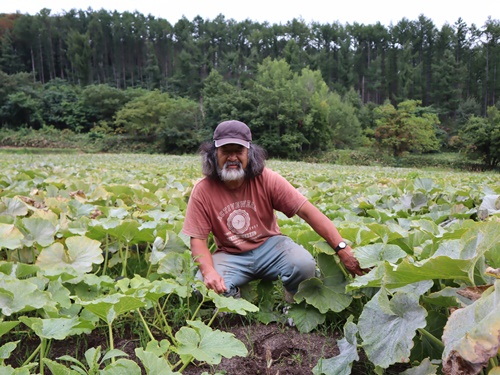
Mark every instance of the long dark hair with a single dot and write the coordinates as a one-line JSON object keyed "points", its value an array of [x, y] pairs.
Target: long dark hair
{"points": [[256, 160]]}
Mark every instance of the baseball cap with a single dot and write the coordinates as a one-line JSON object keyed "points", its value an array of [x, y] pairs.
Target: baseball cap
{"points": [[232, 132]]}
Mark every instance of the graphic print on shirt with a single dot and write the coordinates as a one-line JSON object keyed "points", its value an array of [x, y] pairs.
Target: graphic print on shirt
{"points": [[238, 221]]}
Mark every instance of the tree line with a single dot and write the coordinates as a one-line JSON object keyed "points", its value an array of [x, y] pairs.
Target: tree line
{"points": [[412, 59], [302, 87]]}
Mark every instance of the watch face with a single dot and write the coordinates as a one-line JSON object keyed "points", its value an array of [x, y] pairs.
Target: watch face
{"points": [[341, 245]]}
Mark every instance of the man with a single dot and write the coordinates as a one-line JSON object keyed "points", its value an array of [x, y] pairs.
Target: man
{"points": [[236, 202]]}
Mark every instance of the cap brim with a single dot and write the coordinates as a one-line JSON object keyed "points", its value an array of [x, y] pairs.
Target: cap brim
{"points": [[227, 141]]}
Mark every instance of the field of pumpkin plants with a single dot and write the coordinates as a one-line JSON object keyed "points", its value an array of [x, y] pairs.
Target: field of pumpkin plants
{"points": [[90, 243]]}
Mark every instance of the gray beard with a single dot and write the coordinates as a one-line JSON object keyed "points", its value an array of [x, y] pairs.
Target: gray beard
{"points": [[226, 174]]}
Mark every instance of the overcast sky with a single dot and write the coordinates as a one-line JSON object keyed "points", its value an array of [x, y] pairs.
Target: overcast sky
{"points": [[280, 11]]}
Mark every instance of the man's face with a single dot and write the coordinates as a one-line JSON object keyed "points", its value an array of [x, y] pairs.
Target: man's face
{"points": [[232, 160]]}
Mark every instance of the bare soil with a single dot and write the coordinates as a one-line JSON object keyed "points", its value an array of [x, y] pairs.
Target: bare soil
{"points": [[273, 349]]}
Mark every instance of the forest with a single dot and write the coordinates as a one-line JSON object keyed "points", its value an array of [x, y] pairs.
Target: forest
{"points": [[409, 87]]}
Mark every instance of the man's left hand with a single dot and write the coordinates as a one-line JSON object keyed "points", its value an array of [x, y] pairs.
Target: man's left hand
{"points": [[350, 262]]}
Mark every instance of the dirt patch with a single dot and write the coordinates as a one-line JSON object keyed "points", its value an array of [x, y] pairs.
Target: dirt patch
{"points": [[273, 349], [277, 349]]}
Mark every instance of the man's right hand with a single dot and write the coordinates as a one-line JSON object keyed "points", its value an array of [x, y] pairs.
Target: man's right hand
{"points": [[214, 281]]}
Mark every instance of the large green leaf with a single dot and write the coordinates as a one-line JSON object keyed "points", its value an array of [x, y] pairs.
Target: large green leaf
{"points": [[208, 345], [10, 236], [109, 307], [82, 252], [489, 244], [126, 231], [305, 317], [158, 348], [13, 207], [153, 290], [442, 267], [387, 327], [59, 293], [388, 232], [373, 278], [21, 295], [153, 364], [424, 184], [7, 326], [153, 358], [18, 270], [342, 363], [7, 349], [79, 209], [25, 370], [454, 259], [234, 305], [120, 367], [174, 264], [372, 255], [58, 368], [329, 266], [323, 295], [472, 334], [38, 230], [478, 240], [358, 234], [55, 328]]}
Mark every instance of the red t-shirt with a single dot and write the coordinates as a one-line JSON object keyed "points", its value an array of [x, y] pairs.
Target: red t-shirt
{"points": [[240, 219]]}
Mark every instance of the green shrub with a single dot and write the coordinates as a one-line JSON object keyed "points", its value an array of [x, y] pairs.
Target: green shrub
{"points": [[374, 157], [366, 156], [50, 138]]}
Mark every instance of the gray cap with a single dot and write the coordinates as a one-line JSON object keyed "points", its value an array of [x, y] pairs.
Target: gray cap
{"points": [[232, 132]]}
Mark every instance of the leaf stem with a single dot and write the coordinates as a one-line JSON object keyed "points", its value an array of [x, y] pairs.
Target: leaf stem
{"points": [[493, 362], [166, 326], [111, 340], [432, 338], [216, 311], [33, 355], [343, 268], [186, 364], [195, 313], [106, 256], [145, 325], [124, 261], [42, 355]]}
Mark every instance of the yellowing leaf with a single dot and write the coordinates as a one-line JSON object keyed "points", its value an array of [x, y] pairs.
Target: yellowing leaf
{"points": [[472, 334]]}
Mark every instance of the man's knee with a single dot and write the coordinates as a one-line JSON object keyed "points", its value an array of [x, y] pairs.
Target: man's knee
{"points": [[302, 262], [306, 266], [300, 265]]}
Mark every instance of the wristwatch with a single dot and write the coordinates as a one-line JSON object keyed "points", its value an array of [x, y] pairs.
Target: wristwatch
{"points": [[341, 246]]}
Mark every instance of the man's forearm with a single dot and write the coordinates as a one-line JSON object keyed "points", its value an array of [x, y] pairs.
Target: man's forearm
{"points": [[202, 255], [320, 223]]}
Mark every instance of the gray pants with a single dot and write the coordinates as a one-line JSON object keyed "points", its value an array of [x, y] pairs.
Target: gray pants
{"points": [[278, 257]]}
